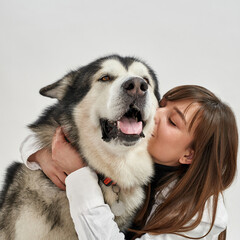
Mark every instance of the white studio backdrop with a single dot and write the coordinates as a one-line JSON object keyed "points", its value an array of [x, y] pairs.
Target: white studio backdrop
{"points": [[186, 42]]}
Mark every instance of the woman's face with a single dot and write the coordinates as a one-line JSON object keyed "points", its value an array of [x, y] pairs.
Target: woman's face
{"points": [[170, 143]]}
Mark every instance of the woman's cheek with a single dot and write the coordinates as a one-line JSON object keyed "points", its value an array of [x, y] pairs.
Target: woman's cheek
{"points": [[154, 143], [165, 133]]}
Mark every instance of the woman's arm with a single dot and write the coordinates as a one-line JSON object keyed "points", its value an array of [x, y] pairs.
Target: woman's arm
{"points": [[28, 148], [35, 157], [93, 218]]}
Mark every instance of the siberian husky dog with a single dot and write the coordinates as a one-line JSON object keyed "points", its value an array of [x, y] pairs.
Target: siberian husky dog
{"points": [[107, 110]]}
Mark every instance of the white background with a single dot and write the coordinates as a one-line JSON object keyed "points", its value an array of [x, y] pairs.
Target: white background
{"points": [[186, 42]]}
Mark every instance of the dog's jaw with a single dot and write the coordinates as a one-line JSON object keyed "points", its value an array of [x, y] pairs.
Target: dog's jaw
{"points": [[129, 166]]}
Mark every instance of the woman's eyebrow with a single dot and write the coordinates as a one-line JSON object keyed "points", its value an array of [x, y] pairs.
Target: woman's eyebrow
{"points": [[181, 115]]}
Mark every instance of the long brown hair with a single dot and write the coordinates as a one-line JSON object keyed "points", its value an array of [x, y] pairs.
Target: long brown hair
{"points": [[212, 170]]}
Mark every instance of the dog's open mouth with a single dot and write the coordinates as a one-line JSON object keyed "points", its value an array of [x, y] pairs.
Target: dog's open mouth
{"points": [[129, 128]]}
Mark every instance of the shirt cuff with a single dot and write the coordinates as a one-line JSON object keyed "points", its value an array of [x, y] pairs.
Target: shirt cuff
{"points": [[28, 147], [83, 190]]}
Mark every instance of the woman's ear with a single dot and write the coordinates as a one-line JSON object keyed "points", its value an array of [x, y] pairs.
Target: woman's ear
{"points": [[188, 157]]}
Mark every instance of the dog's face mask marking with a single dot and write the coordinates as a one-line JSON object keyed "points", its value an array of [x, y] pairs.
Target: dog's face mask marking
{"points": [[125, 104], [117, 94]]}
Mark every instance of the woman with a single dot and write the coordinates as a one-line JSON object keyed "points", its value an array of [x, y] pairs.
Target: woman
{"points": [[194, 148]]}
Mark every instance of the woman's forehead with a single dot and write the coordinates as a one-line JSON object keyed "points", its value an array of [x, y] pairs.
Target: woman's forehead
{"points": [[189, 109], [185, 106]]}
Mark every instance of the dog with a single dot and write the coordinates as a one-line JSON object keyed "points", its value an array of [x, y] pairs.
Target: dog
{"points": [[107, 109]]}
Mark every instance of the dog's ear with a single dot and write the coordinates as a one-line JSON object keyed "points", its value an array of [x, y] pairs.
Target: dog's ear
{"points": [[58, 89]]}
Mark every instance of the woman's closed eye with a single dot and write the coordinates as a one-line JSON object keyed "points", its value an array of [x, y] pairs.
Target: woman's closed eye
{"points": [[172, 122]]}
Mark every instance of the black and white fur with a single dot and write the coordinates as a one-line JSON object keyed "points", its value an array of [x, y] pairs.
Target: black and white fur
{"points": [[31, 206]]}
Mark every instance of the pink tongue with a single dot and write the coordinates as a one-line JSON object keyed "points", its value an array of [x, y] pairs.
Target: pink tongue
{"points": [[129, 126]]}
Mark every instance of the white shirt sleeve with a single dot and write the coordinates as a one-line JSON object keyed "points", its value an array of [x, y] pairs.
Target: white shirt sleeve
{"points": [[28, 147], [94, 220]]}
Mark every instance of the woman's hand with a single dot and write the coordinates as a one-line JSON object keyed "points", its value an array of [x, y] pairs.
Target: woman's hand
{"points": [[64, 155], [44, 158], [63, 160]]}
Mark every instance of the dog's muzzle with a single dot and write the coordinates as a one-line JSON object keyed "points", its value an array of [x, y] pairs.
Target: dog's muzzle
{"points": [[128, 129]]}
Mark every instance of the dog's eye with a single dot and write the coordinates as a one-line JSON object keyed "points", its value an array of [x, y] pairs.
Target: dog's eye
{"points": [[105, 78]]}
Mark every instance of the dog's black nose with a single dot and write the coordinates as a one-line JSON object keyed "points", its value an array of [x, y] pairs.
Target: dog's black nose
{"points": [[135, 87]]}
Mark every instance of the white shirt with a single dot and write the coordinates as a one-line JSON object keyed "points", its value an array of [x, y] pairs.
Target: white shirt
{"points": [[93, 218]]}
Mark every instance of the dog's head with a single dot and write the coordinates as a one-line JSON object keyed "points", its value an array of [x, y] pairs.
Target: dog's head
{"points": [[113, 99]]}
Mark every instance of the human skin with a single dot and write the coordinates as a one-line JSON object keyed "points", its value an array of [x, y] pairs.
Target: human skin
{"points": [[170, 143]]}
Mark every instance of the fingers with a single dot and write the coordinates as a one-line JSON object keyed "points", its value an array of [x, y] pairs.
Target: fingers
{"points": [[58, 182], [56, 176], [57, 171], [64, 155], [54, 172], [62, 176], [60, 135], [57, 142], [58, 139]]}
